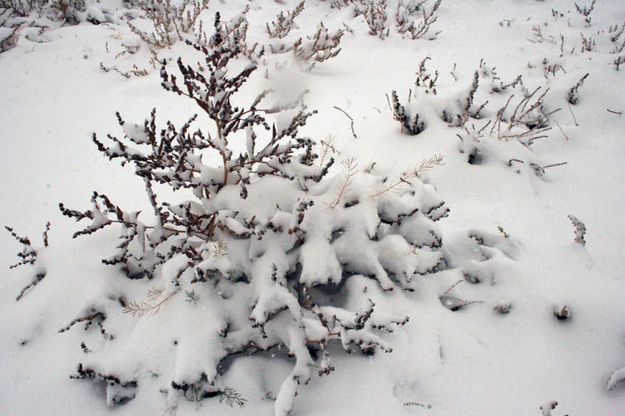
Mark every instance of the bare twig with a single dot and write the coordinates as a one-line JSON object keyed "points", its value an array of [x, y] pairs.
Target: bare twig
{"points": [[453, 286], [139, 309], [351, 168], [562, 131], [351, 120], [424, 165], [573, 115]]}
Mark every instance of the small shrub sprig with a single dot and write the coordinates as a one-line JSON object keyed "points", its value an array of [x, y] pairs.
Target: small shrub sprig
{"points": [[28, 256], [580, 230], [425, 80], [412, 124], [572, 96], [585, 11]]}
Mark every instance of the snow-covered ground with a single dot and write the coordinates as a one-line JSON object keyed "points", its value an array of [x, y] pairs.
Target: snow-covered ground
{"points": [[471, 361]]}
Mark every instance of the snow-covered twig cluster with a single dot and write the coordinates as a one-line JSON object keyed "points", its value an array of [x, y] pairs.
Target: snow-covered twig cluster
{"points": [[284, 23], [417, 29], [169, 21]]}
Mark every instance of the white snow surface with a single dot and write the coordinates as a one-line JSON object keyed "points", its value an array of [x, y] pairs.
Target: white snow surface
{"points": [[471, 361]]}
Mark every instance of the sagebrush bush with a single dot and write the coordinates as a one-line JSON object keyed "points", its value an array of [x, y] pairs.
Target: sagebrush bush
{"points": [[255, 256]]}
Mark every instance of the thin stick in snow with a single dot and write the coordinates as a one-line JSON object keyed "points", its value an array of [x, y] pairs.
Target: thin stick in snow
{"points": [[562, 131], [573, 115], [351, 120]]}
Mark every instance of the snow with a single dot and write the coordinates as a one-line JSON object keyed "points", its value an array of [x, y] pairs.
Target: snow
{"points": [[507, 236]]}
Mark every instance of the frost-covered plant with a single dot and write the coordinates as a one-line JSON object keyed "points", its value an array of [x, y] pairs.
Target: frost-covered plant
{"points": [[572, 96], [68, 10], [374, 12], [62, 11], [455, 113], [497, 251], [338, 4], [412, 124], [309, 51], [169, 21], [425, 80], [408, 10], [465, 108], [29, 256], [318, 48], [580, 229], [614, 33], [588, 43], [470, 143], [233, 34], [585, 11], [528, 119], [264, 240], [525, 118], [496, 84], [21, 7], [9, 37], [284, 23], [539, 37]]}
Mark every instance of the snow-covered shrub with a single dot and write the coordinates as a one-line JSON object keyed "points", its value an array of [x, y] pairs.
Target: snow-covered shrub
{"points": [[8, 37], [319, 47], [486, 111], [412, 17], [283, 24], [411, 122], [585, 11], [465, 108], [67, 8], [58, 11], [374, 12], [249, 261], [168, 22], [489, 75], [470, 143], [338, 4], [232, 32], [309, 51], [453, 110], [497, 251], [408, 10], [20, 7]]}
